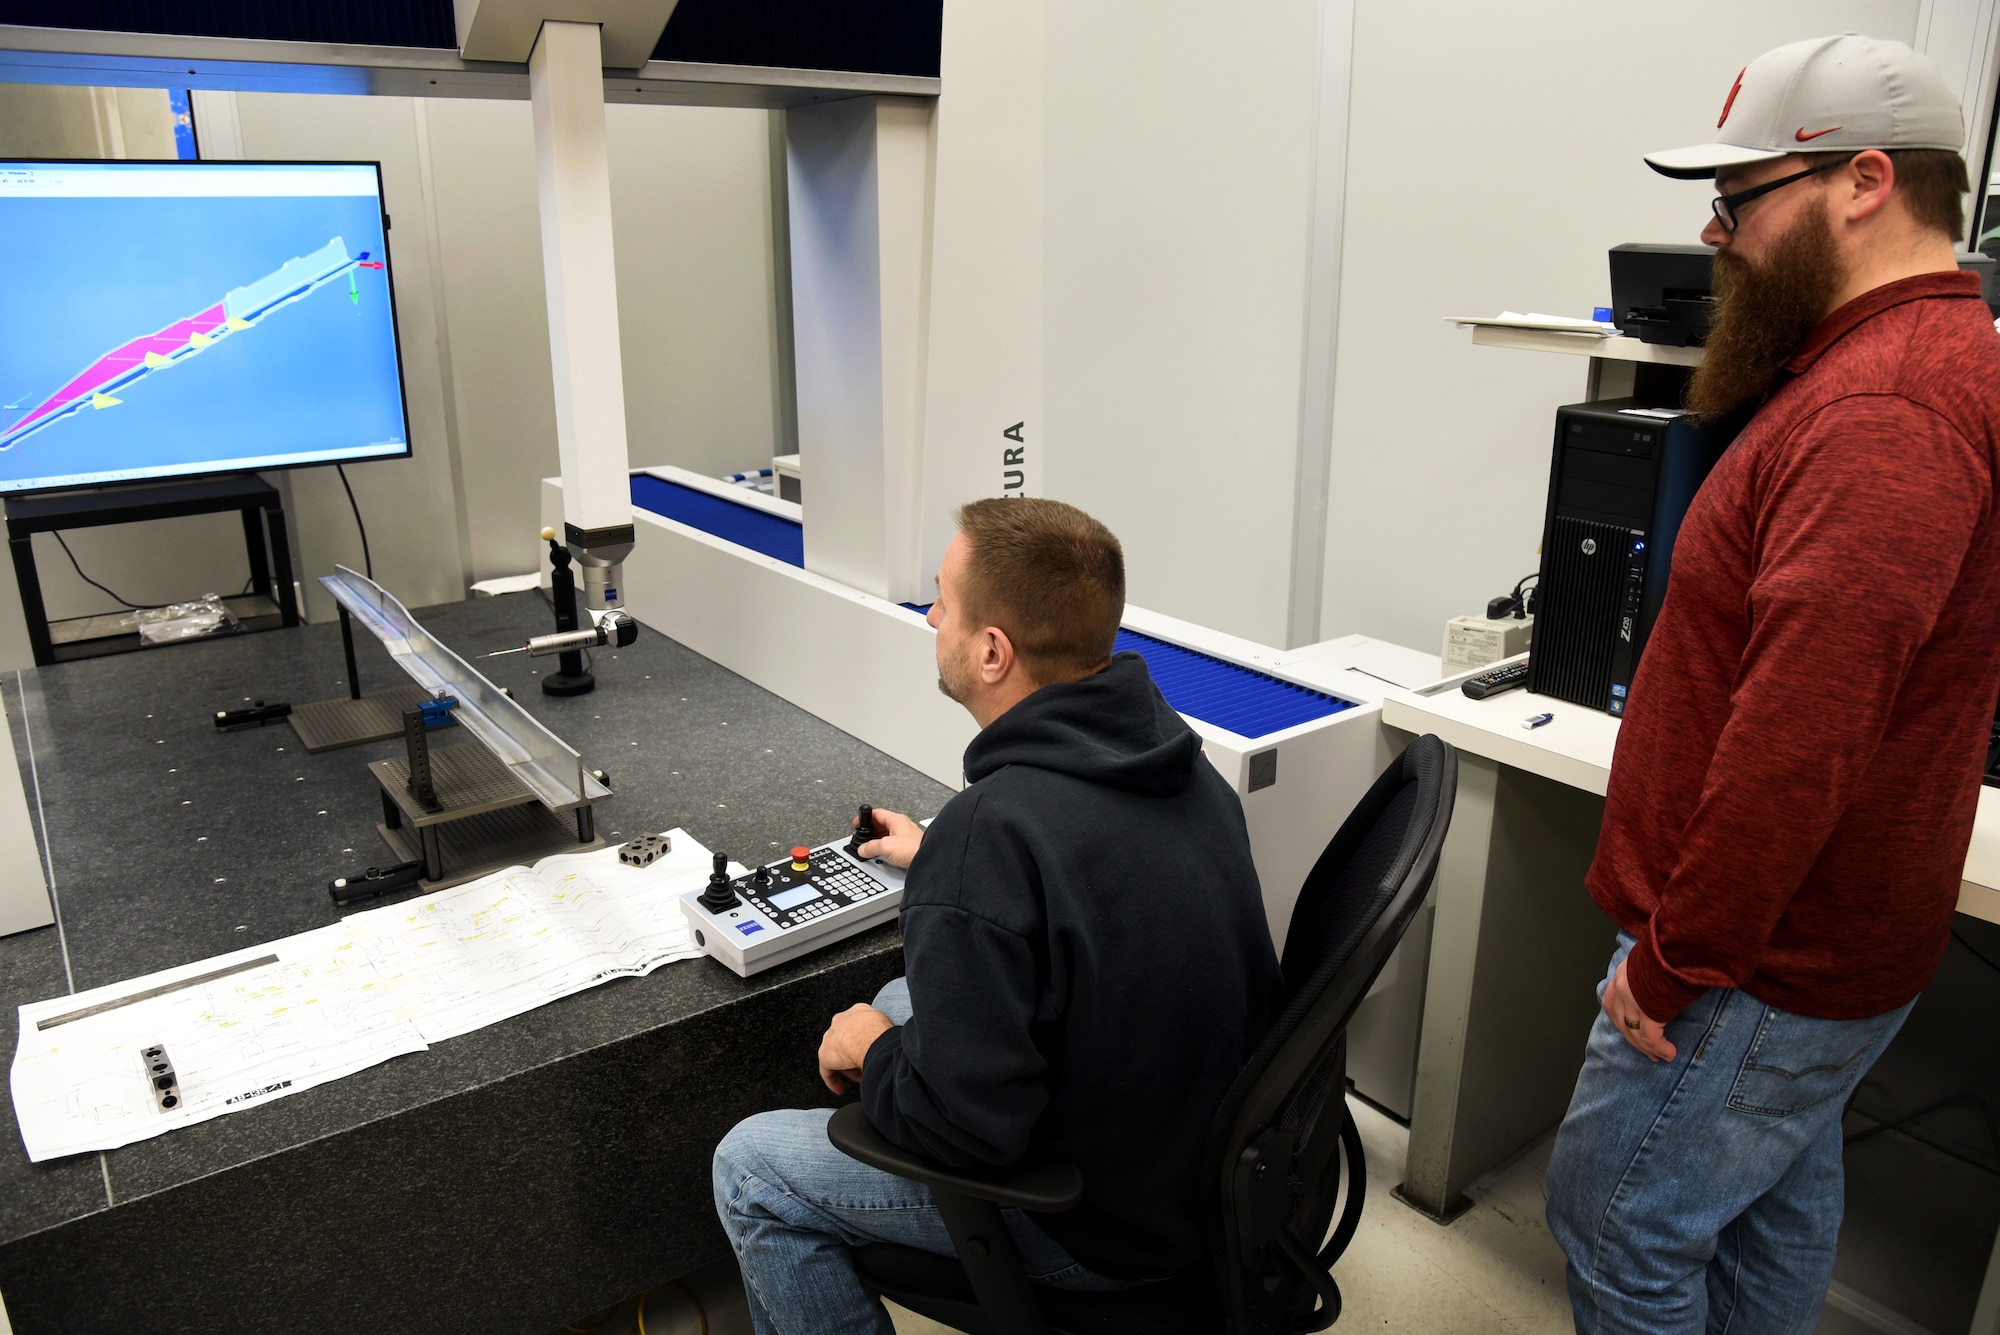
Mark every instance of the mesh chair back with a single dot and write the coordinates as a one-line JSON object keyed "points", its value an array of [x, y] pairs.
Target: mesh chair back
{"points": [[1274, 1149]]}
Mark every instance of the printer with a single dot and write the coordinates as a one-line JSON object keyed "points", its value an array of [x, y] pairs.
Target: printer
{"points": [[1663, 294]]}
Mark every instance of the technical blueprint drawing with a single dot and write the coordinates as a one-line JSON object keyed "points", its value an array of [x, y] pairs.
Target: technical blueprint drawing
{"points": [[317, 1012], [494, 948], [267, 1021]]}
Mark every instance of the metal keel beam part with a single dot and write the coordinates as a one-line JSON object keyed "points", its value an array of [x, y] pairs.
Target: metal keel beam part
{"points": [[543, 762]]}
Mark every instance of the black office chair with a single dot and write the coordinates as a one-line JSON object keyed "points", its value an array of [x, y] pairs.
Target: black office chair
{"points": [[1273, 1166]]}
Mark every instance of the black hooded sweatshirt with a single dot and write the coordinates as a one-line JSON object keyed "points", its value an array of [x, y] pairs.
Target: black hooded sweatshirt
{"points": [[1088, 962]]}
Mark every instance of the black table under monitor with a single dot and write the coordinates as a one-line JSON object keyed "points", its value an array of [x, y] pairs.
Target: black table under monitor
{"points": [[264, 539]]}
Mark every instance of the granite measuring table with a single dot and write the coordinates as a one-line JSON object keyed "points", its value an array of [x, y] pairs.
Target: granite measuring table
{"points": [[505, 1181]]}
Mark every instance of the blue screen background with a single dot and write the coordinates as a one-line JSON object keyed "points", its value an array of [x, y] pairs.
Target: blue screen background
{"points": [[87, 274]]}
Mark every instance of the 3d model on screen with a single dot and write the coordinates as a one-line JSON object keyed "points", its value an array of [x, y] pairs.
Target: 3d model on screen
{"points": [[122, 367], [264, 290]]}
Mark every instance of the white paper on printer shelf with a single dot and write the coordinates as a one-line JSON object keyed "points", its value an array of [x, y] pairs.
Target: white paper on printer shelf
{"points": [[1562, 324], [506, 943], [321, 1011]]}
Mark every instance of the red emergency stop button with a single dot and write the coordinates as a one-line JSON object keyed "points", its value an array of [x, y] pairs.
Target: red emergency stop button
{"points": [[799, 856]]}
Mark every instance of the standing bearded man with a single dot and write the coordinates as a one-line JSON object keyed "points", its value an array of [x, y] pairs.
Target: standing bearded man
{"points": [[1781, 855]]}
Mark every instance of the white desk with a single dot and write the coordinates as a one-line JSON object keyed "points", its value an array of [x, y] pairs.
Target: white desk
{"points": [[1519, 947], [1979, 892]]}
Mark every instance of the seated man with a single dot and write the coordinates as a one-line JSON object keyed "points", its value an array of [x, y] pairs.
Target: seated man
{"points": [[1087, 960]]}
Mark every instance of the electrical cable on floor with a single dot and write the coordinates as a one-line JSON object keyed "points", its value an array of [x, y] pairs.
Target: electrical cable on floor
{"points": [[1949, 1101], [700, 1312], [122, 602], [1973, 950], [367, 561]]}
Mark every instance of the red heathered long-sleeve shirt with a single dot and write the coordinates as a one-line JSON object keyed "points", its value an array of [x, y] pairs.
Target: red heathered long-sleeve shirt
{"points": [[1797, 773]]}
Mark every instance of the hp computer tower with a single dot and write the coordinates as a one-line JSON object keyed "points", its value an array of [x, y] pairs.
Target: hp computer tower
{"points": [[1622, 477]]}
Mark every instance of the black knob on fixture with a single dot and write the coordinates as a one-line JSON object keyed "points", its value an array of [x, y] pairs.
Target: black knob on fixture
{"points": [[762, 876], [719, 897], [864, 829]]}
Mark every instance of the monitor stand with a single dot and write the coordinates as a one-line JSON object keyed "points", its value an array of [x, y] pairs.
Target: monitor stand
{"points": [[263, 522]]}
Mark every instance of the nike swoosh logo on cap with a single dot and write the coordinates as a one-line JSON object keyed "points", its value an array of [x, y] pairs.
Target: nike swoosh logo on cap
{"points": [[1801, 135]]}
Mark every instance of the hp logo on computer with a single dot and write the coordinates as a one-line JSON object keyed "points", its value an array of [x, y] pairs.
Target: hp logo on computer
{"points": [[1590, 546]]}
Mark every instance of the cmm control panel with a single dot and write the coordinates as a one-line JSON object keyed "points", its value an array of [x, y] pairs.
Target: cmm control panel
{"points": [[793, 906]]}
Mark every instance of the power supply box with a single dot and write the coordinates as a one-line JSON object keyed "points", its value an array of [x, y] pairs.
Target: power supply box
{"points": [[1621, 478]]}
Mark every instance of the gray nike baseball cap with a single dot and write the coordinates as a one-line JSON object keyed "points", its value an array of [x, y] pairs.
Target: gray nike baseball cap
{"points": [[1825, 95]]}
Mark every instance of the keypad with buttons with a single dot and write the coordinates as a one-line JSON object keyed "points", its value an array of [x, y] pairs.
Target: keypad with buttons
{"points": [[839, 881]]}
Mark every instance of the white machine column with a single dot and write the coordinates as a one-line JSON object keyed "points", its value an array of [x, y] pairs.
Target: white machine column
{"points": [[573, 179], [984, 429], [859, 177]]}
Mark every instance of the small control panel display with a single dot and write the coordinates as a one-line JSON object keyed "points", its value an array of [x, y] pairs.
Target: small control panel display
{"points": [[789, 897]]}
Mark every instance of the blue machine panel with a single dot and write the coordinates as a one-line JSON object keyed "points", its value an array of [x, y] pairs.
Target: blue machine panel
{"points": [[776, 537], [1219, 692], [1248, 703]]}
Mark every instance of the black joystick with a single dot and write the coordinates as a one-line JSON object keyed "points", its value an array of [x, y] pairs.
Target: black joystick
{"points": [[864, 830], [719, 897], [762, 876]]}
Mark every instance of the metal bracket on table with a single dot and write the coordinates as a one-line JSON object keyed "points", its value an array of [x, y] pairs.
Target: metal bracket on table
{"points": [[256, 716], [418, 720]]}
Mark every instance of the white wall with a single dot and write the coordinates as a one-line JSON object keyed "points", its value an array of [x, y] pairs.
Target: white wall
{"points": [[40, 121], [408, 504], [692, 222], [692, 201], [1494, 157], [692, 194], [1179, 148], [987, 320]]}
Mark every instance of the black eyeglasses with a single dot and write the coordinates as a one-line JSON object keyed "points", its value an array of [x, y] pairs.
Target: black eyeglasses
{"points": [[1725, 206]]}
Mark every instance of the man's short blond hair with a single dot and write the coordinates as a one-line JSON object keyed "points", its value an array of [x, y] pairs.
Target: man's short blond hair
{"points": [[1050, 576]]}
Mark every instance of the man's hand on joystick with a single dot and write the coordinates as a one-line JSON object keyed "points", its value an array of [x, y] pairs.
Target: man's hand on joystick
{"points": [[896, 838]]}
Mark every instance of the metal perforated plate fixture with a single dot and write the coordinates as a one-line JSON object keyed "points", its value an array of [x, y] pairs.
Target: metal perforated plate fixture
{"points": [[476, 845], [466, 778], [328, 725]]}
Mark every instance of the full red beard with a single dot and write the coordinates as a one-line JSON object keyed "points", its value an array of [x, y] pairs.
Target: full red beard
{"points": [[1763, 314]]}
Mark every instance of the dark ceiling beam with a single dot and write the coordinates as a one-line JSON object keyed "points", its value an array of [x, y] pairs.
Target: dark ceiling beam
{"points": [[154, 60]]}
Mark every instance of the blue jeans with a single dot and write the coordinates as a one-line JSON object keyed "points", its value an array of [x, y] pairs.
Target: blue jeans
{"points": [[793, 1205], [1705, 1193]]}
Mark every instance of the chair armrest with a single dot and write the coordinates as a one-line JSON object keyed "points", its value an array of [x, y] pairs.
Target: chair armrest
{"points": [[1047, 1186]]}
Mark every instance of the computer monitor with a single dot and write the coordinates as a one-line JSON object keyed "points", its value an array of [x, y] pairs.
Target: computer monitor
{"points": [[172, 319]]}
